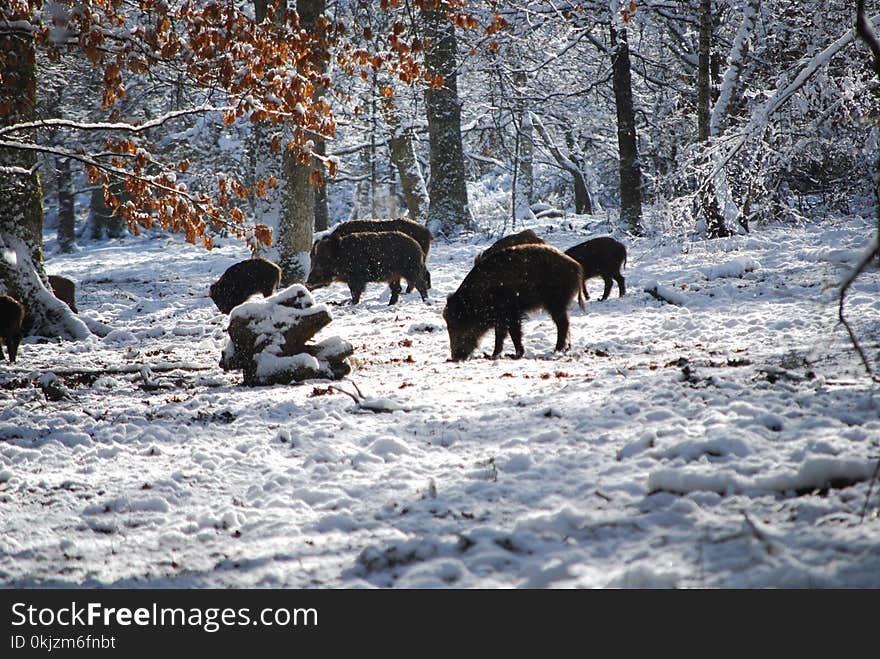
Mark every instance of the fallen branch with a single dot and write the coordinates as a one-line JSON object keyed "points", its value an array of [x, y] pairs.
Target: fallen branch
{"points": [[377, 405], [664, 294], [162, 367]]}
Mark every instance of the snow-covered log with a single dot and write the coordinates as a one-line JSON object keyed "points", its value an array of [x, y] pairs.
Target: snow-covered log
{"points": [[268, 340]]}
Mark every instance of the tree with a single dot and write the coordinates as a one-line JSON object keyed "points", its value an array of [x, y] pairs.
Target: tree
{"points": [[866, 33], [523, 174], [214, 47], [709, 202], [630, 167], [448, 210], [21, 221], [401, 145]]}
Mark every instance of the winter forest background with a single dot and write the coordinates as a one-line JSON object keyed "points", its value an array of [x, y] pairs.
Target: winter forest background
{"points": [[720, 140]]}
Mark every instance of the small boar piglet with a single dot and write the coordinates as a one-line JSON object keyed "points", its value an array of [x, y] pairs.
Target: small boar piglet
{"points": [[11, 318], [65, 290], [244, 279], [601, 257]]}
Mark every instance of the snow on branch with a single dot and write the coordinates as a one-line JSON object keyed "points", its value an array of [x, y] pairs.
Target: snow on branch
{"points": [[734, 67], [761, 117], [106, 125], [562, 160], [19, 171]]}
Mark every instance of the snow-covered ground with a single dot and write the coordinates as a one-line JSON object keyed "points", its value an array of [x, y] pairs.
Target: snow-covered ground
{"points": [[726, 442]]}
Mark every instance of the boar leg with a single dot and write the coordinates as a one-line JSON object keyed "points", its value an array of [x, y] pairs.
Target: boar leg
{"points": [[421, 283], [423, 291], [561, 320], [2, 356], [500, 333], [608, 283], [586, 292], [621, 284], [356, 288], [394, 285], [516, 337]]}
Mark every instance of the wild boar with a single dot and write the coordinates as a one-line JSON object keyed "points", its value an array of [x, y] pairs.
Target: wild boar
{"points": [[502, 288], [421, 234], [244, 279], [358, 258], [601, 257], [65, 290], [11, 318], [526, 237]]}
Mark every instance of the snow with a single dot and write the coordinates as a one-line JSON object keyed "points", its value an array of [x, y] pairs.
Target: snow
{"points": [[725, 443]]}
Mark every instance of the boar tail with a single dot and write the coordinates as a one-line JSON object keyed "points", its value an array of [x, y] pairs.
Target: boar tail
{"points": [[581, 287]]}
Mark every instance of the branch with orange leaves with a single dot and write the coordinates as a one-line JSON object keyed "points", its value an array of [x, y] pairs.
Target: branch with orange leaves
{"points": [[175, 207]]}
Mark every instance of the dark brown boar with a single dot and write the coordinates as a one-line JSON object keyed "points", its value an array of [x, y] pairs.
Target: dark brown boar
{"points": [[601, 257], [11, 317], [358, 258], [502, 288], [244, 279], [420, 233], [65, 290], [526, 237]]}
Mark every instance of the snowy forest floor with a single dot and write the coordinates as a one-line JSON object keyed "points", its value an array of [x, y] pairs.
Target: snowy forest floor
{"points": [[724, 443]]}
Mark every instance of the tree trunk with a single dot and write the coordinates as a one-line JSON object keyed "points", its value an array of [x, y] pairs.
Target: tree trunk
{"points": [[322, 200], [704, 77], [296, 224], [66, 212], [523, 187], [448, 210], [583, 200], [22, 274], [403, 155], [582, 203], [262, 163], [627, 143], [362, 208], [710, 204], [104, 223], [295, 231]]}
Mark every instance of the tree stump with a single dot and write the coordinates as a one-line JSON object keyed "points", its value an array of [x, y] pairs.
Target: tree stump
{"points": [[268, 341]]}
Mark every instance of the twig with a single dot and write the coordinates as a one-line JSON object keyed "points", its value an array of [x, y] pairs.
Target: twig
{"points": [[866, 260], [870, 487], [357, 388], [347, 393], [759, 535], [361, 402]]}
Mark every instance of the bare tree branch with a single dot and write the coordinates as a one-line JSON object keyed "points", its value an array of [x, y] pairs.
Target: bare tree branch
{"points": [[107, 125]]}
